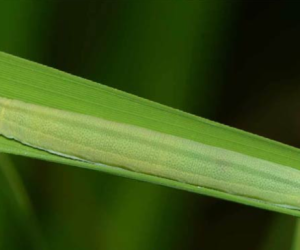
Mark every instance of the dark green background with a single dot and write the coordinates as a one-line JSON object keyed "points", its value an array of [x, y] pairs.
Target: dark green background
{"points": [[235, 62]]}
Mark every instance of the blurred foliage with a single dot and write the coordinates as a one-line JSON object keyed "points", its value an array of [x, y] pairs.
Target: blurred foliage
{"points": [[18, 206], [230, 61]]}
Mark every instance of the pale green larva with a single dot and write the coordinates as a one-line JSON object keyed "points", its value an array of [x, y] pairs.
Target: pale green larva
{"points": [[142, 150]]}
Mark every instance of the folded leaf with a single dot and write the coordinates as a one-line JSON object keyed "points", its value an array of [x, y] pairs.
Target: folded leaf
{"points": [[272, 165]]}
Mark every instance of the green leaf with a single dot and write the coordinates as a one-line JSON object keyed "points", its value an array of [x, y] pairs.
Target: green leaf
{"points": [[27, 81]]}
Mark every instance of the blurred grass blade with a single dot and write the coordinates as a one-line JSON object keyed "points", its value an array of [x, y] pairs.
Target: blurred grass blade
{"points": [[30, 82], [296, 238], [12, 186], [275, 237]]}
